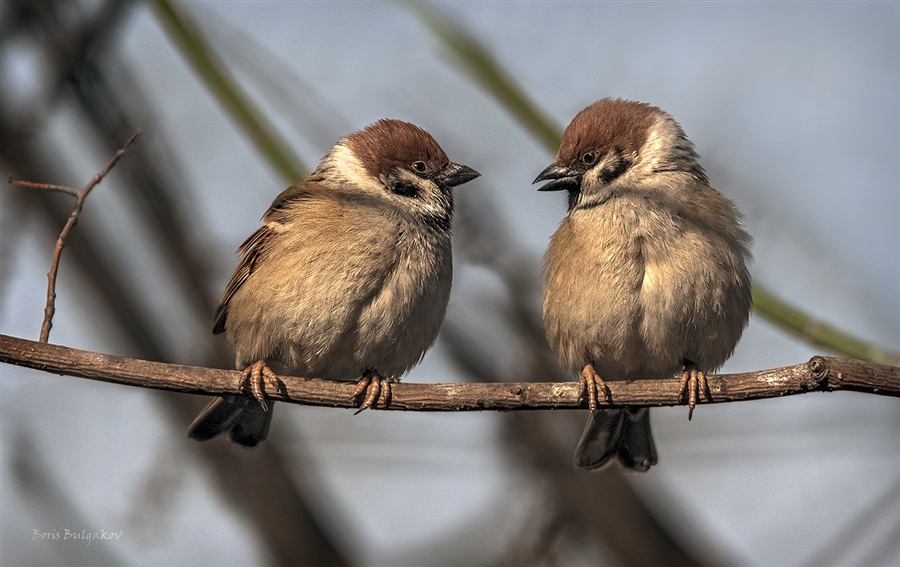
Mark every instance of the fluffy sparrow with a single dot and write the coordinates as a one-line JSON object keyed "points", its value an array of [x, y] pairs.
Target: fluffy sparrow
{"points": [[646, 277], [348, 278]]}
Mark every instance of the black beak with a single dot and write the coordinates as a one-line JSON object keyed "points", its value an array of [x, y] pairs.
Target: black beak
{"points": [[562, 178], [456, 174]]}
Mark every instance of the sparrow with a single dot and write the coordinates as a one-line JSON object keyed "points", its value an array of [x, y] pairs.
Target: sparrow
{"points": [[646, 277], [348, 278]]}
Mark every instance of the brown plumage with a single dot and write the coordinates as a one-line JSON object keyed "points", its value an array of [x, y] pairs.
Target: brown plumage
{"points": [[605, 126], [348, 278], [390, 144], [646, 276]]}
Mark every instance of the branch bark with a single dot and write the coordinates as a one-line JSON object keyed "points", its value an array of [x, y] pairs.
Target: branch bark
{"points": [[818, 374]]}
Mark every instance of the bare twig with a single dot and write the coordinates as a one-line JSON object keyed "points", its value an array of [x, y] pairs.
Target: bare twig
{"points": [[46, 186], [80, 197], [819, 374]]}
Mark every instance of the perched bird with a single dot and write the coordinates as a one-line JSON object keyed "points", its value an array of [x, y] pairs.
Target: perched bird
{"points": [[348, 278], [646, 277]]}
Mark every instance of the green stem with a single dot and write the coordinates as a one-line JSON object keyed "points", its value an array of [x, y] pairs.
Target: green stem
{"points": [[225, 88], [486, 71], [816, 332]]}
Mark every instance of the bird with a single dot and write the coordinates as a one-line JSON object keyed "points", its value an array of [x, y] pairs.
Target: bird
{"points": [[647, 275], [348, 278]]}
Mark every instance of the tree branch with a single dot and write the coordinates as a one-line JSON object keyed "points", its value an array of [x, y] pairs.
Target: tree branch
{"points": [[819, 374], [80, 197]]}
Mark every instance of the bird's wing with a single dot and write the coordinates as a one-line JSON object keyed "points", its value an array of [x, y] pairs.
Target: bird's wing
{"points": [[251, 251], [254, 248]]}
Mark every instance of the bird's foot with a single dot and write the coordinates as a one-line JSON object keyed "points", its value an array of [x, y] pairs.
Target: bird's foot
{"points": [[375, 386], [593, 386], [255, 376], [693, 381]]}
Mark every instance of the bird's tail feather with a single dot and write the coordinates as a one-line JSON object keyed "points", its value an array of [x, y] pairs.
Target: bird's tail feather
{"points": [[622, 433], [242, 418]]}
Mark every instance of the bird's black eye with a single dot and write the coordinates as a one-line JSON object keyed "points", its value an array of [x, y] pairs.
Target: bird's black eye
{"points": [[589, 158], [419, 166]]}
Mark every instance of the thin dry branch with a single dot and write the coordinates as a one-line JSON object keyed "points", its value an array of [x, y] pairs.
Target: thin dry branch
{"points": [[45, 186], [80, 197], [819, 374]]}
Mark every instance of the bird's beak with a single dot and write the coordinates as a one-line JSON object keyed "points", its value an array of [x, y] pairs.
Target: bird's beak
{"points": [[561, 178], [456, 174]]}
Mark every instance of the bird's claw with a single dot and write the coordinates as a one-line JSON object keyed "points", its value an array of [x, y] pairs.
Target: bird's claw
{"points": [[693, 381], [375, 386], [592, 385], [255, 376]]}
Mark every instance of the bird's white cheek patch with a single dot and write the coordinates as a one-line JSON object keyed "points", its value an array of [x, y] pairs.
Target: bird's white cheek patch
{"points": [[351, 169], [592, 176]]}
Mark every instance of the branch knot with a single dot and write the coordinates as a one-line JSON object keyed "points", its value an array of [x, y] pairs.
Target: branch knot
{"points": [[818, 366]]}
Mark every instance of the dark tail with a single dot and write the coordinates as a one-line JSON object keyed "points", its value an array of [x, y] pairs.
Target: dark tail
{"points": [[242, 418], [621, 433]]}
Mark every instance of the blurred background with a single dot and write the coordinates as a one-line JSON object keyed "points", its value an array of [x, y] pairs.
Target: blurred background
{"points": [[794, 109]]}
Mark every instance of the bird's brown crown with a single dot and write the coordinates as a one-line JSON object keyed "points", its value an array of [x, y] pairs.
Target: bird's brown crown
{"points": [[608, 124], [388, 144]]}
